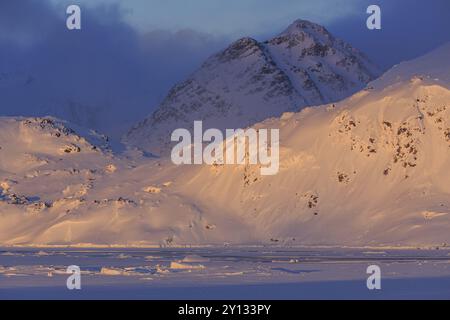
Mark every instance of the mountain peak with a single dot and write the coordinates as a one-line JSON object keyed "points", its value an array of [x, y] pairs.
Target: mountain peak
{"points": [[307, 35], [250, 81], [299, 26], [239, 48]]}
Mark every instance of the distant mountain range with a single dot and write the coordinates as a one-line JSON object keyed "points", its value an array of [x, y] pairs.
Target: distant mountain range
{"points": [[369, 170], [251, 81]]}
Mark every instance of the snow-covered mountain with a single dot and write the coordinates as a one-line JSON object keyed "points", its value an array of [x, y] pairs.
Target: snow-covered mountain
{"points": [[59, 184], [251, 81], [369, 170]]}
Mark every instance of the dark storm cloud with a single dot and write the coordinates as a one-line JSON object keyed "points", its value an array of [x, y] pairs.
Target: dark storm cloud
{"points": [[118, 75], [410, 28], [107, 66]]}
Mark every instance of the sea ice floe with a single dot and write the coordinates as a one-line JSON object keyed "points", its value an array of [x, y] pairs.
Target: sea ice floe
{"points": [[184, 266], [195, 258], [111, 272], [12, 254], [42, 253]]}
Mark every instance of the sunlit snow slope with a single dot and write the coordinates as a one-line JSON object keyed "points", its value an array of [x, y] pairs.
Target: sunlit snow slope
{"points": [[370, 170]]}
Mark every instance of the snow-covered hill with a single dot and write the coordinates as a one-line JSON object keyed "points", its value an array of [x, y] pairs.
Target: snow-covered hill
{"points": [[369, 170], [251, 81], [372, 169], [62, 185]]}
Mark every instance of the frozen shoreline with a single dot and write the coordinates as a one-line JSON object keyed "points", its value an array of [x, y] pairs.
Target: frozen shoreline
{"points": [[223, 273]]}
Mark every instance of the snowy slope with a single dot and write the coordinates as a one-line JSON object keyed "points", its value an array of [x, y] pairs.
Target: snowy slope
{"points": [[322, 68], [369, 170], [251, 81], [60, 185], [372, 169]]}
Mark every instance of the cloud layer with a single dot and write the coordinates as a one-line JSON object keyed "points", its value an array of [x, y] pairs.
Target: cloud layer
{"points": [[106, 69], [410, 28], [111, 73]]}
